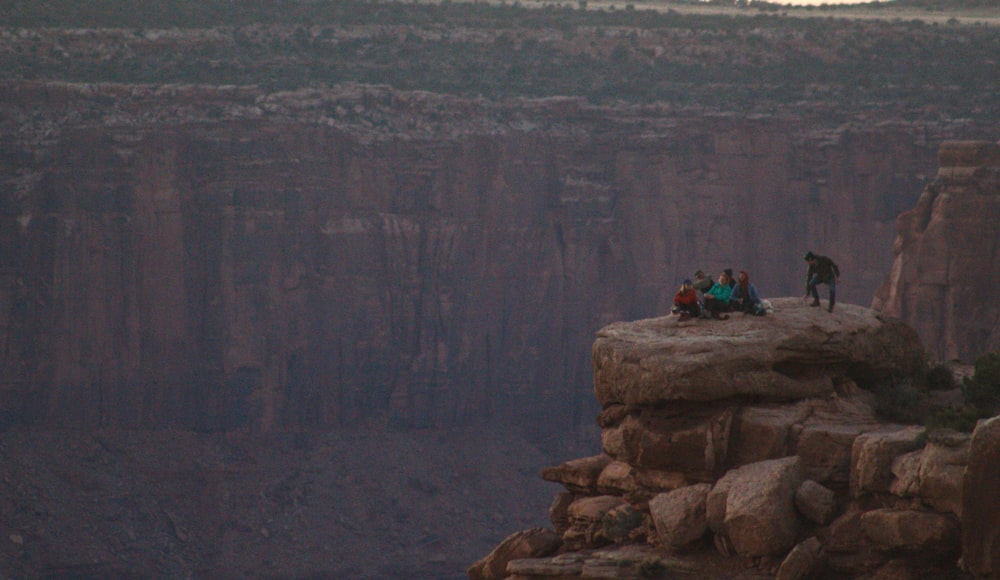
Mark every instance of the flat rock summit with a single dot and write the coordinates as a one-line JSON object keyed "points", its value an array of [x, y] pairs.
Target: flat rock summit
{"points": [[795, 352]]}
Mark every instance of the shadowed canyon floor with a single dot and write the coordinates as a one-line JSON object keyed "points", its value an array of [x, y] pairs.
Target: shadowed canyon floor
{"points": [[361, 504]]}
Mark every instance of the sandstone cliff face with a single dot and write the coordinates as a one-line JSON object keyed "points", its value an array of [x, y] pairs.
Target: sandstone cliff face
{"points": [[219, 258], [945, 278]]}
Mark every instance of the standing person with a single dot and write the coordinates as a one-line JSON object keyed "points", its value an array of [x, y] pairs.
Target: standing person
{"points": [[717, 297], [745, 297], [686, 302], [821, 270]]}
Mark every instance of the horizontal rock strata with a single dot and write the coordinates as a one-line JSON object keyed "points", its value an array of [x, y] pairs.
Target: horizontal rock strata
{"points": [[768, 472]]}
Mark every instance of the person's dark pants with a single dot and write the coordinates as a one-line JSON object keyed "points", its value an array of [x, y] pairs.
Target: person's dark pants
{"points": [[716, 306], [815, 281], [742, 305], [691, 309]]}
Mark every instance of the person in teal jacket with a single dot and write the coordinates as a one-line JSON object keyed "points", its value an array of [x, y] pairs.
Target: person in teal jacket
{"points": [[717, 298]]}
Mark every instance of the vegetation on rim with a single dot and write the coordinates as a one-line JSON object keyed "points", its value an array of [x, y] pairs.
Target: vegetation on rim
{"points": [[760, 63]]}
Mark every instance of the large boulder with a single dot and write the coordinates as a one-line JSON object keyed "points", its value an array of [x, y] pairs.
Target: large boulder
{"points": [[816, 502], [764, 432], [981, 503], [825, 450], [679, 515], [935, 473], [874, 452], [754, 507], [802, 562], [795, 353]]}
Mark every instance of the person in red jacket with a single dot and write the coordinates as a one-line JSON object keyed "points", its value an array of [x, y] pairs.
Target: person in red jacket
{"points": [[686, 302]]}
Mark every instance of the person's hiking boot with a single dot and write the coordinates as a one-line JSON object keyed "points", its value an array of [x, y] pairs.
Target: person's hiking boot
{"points": [[830, 307], [814, 303]]}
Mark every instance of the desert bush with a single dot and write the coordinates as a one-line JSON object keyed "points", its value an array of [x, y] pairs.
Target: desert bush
{"points": [[940, 378], [960, 419], [901, 401], [982, 390], [652, 568]]}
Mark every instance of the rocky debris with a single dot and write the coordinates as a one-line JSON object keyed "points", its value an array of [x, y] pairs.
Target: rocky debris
{"points": [[790, 482], [533, 543], [802, 562], [952, 233], [588, 525], [915, 531], [981, 503], [569, 565], [619, 563]]}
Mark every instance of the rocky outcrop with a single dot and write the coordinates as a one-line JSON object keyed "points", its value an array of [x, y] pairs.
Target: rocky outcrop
{"points": [[776, 455], [794, 356], [981, 504], [945, 278]]}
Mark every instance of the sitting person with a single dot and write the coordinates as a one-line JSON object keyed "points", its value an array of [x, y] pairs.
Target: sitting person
{"points": [[702, 283], [745, 297], [686, 301], [717, 298]]}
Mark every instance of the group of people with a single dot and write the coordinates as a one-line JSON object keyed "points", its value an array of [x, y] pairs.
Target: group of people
{"points": [[706, 298]]}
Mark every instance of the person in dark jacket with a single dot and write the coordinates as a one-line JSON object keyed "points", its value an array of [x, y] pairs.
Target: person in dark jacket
{"points": [[702, 283], [822, 270]]}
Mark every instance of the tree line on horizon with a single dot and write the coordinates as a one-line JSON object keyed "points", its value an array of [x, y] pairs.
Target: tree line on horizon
{"points": [[758, 63]]}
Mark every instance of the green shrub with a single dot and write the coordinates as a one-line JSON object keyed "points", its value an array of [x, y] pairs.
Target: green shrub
{"points": [[901, 401], [961, 419], [982, 389], [652, 568], [940, 378]]}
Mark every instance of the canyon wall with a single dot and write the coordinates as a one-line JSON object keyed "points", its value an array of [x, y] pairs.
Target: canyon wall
{"points": [[945, 279], [222, 258]]}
